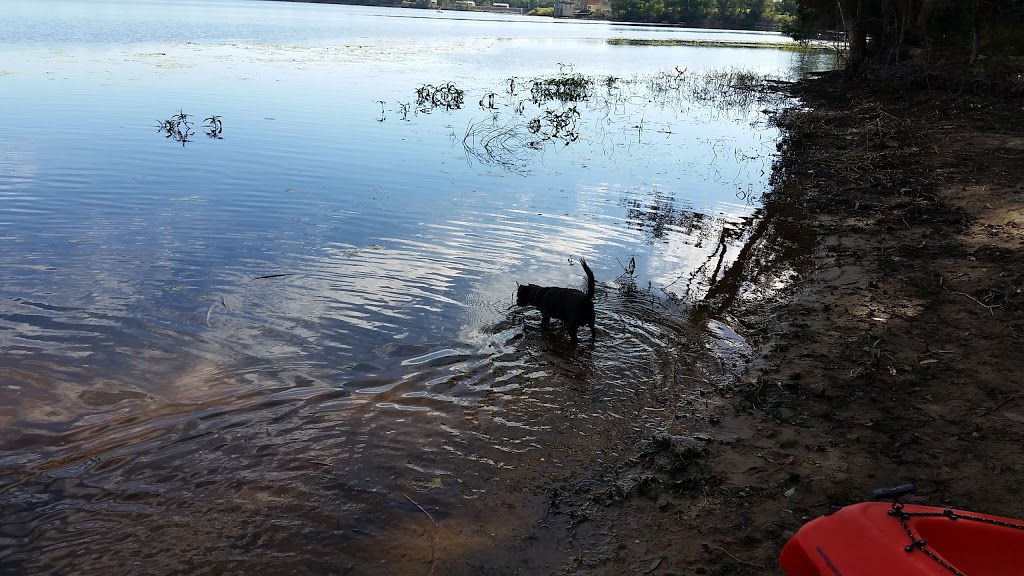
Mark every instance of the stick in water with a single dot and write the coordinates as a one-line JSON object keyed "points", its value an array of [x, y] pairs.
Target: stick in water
{"points": [[433, 559]]}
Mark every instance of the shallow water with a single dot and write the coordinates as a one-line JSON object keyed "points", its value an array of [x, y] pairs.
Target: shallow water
{"points": [[263, 353]]}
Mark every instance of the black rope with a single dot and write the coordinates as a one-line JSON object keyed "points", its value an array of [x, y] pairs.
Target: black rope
{"points": [[919, 544]]}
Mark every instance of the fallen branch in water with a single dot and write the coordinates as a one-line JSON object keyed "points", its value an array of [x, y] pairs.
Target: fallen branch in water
{"points": [[210, 311], [433, 559]]}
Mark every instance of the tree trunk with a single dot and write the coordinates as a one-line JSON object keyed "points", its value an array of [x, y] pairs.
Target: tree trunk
{"points": [[856, 32], [974, 33], [925, 14]]}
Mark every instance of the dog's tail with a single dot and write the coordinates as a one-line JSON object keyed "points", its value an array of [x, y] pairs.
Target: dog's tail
{"points": [[590, 279]]}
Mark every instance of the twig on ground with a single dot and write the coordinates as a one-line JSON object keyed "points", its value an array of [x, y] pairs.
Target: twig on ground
{"points": [[433, 558], [735, 558], [998, 406], [980, 303]]}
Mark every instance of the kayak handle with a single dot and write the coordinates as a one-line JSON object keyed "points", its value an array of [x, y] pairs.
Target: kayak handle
{"points": [[894, 493]]}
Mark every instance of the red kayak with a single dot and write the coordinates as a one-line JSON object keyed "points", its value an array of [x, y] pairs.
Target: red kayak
{"points": [[882, 539]]}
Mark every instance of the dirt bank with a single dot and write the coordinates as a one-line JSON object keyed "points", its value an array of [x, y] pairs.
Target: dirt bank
{"points": [[896, 356]]}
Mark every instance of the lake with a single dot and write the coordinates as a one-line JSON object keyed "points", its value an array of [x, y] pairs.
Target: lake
{"points": [[259, 259]]}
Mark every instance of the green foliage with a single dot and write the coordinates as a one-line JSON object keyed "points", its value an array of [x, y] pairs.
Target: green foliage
{"points": [[724, 13], [562, 88], [734, 13], [795, 28], [529, 5], [543, 11]]}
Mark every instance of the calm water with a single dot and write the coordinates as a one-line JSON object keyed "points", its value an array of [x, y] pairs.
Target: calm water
{"points": [[262, 354]]}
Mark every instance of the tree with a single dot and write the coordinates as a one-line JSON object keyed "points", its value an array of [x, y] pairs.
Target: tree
{"points": [[896, 27], [741, 13]]}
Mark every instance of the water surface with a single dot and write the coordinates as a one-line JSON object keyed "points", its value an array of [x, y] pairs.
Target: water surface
{"points": [[263, 353]]}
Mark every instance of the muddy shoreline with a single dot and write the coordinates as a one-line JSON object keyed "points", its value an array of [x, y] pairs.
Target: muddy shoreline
{"points": [[898, 358], [895, 353]]}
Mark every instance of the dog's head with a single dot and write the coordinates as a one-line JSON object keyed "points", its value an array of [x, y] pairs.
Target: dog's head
{"points": [[525, 294]]}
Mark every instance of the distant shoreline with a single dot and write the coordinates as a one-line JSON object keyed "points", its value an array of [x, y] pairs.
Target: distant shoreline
{"points": [[771, 28]]}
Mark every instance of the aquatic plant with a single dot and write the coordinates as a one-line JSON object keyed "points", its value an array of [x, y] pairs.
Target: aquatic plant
{"points": [[489, 98], [214, 127], [733, 88], [627, 280], [181, 119], [447, 96], [504, 145], [562, 88], [561, 126], [569, 107], [180, 129], [177, 127]]}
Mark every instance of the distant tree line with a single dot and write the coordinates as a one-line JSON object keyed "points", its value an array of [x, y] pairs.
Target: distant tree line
{"points": [[880, 32], [711, 13], [526, 5]]}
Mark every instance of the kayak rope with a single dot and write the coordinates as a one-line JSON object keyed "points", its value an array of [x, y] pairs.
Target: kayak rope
{"points": [[920, 544]]}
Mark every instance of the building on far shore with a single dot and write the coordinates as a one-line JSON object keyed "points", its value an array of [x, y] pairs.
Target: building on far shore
{"points": [[499, 7], [565, 8]]}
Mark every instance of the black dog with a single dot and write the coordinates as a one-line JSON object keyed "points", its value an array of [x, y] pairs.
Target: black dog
{"points": [[567, 304]]}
